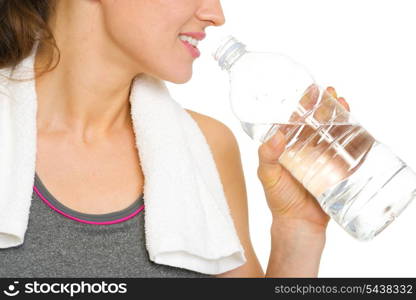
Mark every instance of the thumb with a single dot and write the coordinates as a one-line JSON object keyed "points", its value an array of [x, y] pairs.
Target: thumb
{"points": [[269, 169]]}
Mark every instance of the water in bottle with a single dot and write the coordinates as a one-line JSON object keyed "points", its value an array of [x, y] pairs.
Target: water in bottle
{"points": [[356, 179]]}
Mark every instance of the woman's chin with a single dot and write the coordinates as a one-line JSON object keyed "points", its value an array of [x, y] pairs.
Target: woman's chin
{"points": [[179, 75], [180, 78], [180, 81]]}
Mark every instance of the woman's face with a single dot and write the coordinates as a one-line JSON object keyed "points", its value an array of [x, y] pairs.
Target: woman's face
{"points": [[147, 32]]}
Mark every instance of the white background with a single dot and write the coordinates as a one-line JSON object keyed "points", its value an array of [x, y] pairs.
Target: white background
{"points": [[365, 49]]}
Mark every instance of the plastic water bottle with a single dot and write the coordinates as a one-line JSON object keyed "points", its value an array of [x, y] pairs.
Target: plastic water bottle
{"points": [[357, 180]]}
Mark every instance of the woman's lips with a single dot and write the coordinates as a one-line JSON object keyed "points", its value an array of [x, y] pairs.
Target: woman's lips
{"points": [[195, 53]]}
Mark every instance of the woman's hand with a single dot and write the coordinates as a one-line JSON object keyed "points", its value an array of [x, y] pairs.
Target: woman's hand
{"points": [[286, 197]]}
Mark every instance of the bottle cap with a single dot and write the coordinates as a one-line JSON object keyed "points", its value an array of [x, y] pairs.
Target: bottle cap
{"points": [[228, 51]]}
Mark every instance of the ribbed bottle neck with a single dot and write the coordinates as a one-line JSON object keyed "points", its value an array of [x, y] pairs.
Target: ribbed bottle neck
{"points": [[228, 52]]}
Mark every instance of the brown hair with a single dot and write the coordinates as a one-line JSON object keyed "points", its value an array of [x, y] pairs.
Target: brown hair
{"points": [[22, 23]]}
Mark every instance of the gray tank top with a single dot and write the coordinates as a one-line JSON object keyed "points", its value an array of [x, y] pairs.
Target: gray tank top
{"points": [[62, 242]]}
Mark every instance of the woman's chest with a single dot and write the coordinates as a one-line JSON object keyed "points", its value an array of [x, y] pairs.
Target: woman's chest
{"points": [[94, 179]]}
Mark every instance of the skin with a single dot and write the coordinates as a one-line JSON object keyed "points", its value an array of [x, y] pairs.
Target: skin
{"points": [[83, 115], [298, 222], [91, 119], [287, 198], [128, 37]]}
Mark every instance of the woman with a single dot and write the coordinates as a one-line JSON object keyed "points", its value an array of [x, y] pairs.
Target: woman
{"points": [[83, 118]]}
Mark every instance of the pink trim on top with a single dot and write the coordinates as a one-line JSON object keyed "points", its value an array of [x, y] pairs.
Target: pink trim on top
{"points": [[84, 221]]}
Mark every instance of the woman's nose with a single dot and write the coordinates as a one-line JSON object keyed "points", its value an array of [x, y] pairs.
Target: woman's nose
{"points": [[211, 10]]}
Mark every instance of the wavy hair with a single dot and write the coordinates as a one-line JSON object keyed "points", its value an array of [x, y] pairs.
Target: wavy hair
{"points": [[22, 23]]}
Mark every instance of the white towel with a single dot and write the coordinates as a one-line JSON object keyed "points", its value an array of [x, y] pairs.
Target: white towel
{"points": [[187, 222]]}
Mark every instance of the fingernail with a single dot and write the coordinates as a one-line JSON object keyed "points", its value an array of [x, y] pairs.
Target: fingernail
{"points": [[341, 99], [332, 91]]}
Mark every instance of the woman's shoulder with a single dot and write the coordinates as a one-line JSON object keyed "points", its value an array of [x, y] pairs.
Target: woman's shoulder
{"points": [[216, 132], [220, 138], [226, 153]]}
